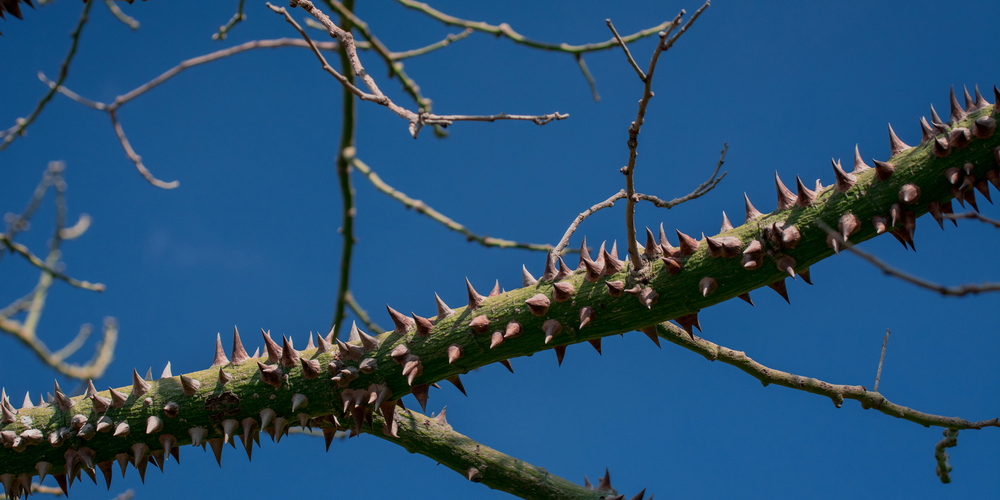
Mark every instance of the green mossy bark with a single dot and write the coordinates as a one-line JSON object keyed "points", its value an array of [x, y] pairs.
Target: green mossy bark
{"points": [[678, 296]]}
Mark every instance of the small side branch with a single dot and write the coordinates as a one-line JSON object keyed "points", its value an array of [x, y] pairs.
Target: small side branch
{"points": [[136, 159], [878, 375], [17, 130], [610, 202], [943, 467], [422, 208], [122, 16], [947, 291], [39, 263], [837, 393], [974, 216], [698, 192], [237, 18], [618, 38], [362, 314]]}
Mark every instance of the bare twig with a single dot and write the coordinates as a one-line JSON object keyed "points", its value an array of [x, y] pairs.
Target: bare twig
{"points": [[948, 291], [636, 126], [589, 77], [618, 38], [974, 216], [837, 393], [121, 16], [943, 467], [17, 130], [452, 37], [136, 159], [39, 263], [881, 358], [505, 30], [422, 208], [238, 17], [416, 120], [610, 202], [362, 314], [698, 192]]}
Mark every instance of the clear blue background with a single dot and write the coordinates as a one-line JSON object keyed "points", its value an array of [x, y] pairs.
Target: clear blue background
{"points": [[250, 237]]}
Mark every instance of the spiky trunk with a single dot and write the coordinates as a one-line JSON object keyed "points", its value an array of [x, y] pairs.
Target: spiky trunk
{"points": [[351, 384]]}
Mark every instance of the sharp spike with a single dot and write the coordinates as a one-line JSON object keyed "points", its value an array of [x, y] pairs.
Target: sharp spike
{"points": [[480, 323], [166, 371], [198, 436], [457, 382], [594, 270], [368, 343], [806, 196], [983, 187], [475, 300], [298, 401], [271, 375], [786, 264], [141, 453], [239, 353], [149, 374], [454, 352], [560, 353], [526, 278], [289, 356], [224, 377], [896, 146], [402, 323], [551, 328], [189, 385], [256, 353], [688, 245], [139, 386], [726, 225], [550, 268], [672, 265], [506, 364], [927, 133], [779, 286], [421, 393], [847, 225], [970, 104], [538, 304], [970, 198], [496, 339], [859, 164], [957, 113], [805, 276], [562, 291], [587, 315], [280, 428], [605, 483], [984, 127], [652, 249], [934, 208], [909, 193], [959, 137], [785, 197], [752, 212], [596, 344], [941, 147], [883, 169], [324, 345], [586, 483], [641, 494], [496, 287], [216, 444], [273, 351], [745, 297], [936, 121], [424, 325], [707, 285], [153, 424], [650, 331], [611, 263]]}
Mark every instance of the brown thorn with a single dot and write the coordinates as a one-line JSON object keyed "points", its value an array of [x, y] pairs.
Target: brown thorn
{"points": [[896, 146], [594, 270], [726, 225], [844, 180], [289, 356], [883, 169], [805, 275], [480, 323], [496, 288], [859, 164], [672, 265], [271, 375], [587, 315], [806, 196], [779, 286], [421, 393], [707, 285], [402, 323], [745, 297], [934, 208], [560, 353], [562, 291], [513, 329], [984, 127], [752, 213], [538, 304], [507, 365], [220, 354], [957, 113], [927, 133], [496, 339], [847, 224], [650, 331], [785, 197], [310, 368], [611, 263], [273, 351], [550, 268], [454, 352], [139, 386], [457, 382], [564, 272], [443, 311], [959, 137], [615, 288], [605, 483], [475, 300], [424, 325], [687, 321], [551, 328], [224, 377], [909, 193], [596, 344], [786, 264], [983, 187], [688, 245], [652, 249]]}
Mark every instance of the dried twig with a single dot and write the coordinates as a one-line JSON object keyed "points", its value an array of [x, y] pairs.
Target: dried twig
{"points": [[17, 130], [837, 393], [452, 37], [974, 216], [948, 291], [943, 467], [39, 263], [122, 16], [238, 17], [633, 130], [422, 208], [362, 314], [416, 120], [136, 159], [610, 202], [698, 192], [628, 55], [881, 358]]}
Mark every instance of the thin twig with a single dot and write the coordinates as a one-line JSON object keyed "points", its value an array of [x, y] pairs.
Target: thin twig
{"points": [[974, 216], [948, 291], [618, 38], [610, 202], [39, 263], [345, 151], [589, 77], [136, 159], [633, 143], [362, 314], [122, 16], [505, 30], [837, 393], [943, 467], [422, 208], [452, 37], [416, 120], [18, 129], [238, 17], [698, 192], [881, 358]]}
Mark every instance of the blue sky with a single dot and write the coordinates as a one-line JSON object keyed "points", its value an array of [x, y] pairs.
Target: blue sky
{"points": [[250, 237]]}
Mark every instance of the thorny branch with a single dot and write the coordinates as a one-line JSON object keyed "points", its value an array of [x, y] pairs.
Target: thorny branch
{"points": [[12, 133], [837, 393], [633, 130], [948, 291], [416, 120], [422, 208], [238, 17]]}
